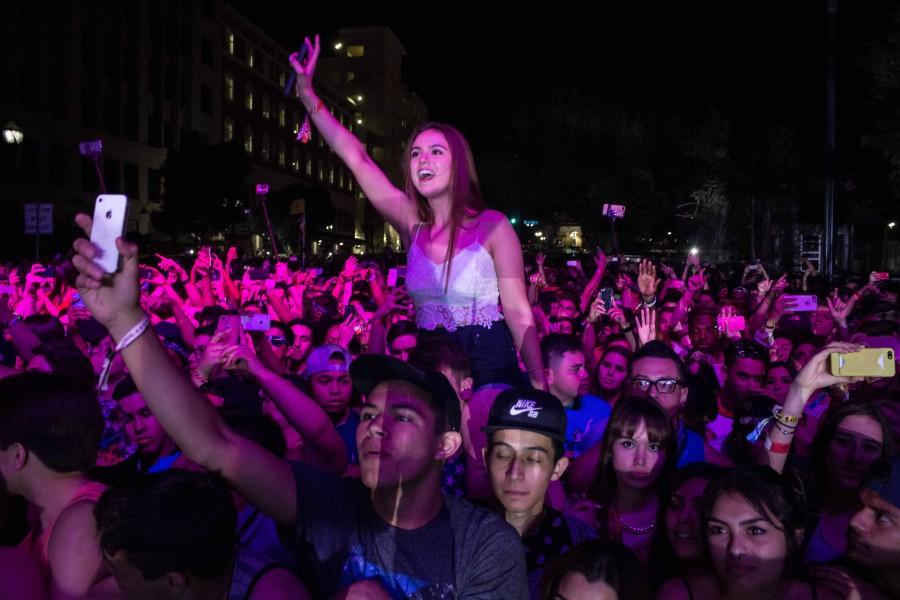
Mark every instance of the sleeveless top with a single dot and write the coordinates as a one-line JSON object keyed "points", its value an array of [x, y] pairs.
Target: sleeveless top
{"points": [[472, 296], [37, 543]]}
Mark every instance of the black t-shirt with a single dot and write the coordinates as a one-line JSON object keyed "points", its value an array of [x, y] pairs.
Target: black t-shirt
{"points": [[465, 552]]}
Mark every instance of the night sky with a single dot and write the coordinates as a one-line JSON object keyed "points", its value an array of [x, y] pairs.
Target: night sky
{"points": [[748, 60]]}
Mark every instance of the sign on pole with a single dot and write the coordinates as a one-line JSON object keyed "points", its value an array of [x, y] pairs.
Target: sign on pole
{"points": [[31, 219], [45, 219]]}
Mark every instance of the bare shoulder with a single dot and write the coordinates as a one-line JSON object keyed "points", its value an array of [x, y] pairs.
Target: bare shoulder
{"points": [[494, 227]]}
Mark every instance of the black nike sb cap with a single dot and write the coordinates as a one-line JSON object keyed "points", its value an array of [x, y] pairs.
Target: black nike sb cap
{"points": [[528, 409]]}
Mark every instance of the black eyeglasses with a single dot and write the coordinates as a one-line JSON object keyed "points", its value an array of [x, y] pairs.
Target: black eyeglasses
{"points": [[276, 340], [666, 385]]}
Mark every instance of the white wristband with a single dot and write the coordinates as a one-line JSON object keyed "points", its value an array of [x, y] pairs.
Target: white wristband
{"points": [[133, 334]]}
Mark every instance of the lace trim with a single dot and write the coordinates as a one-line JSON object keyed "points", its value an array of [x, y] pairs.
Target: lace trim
{"points": [[432, 316]]}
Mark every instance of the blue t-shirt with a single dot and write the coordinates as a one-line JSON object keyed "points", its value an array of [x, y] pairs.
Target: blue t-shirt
{"points": [[347, 431], [585, 422], [690, 447]]}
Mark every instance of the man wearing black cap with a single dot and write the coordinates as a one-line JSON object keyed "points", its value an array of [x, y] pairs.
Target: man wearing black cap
{"points": [[526, 431], [393, 529]]}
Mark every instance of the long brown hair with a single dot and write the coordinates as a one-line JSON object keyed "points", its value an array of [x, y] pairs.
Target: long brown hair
{"points": [[626, 418], [465, 193]]}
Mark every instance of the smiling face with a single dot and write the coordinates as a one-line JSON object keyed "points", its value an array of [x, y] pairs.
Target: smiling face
{"points": [[431, 164]]}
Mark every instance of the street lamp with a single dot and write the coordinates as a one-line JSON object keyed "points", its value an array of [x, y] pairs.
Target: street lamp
{"points": [[12, 133], [891, 225]]}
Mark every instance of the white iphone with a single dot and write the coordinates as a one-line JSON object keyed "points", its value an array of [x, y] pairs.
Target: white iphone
{"points": [[109, 224]]}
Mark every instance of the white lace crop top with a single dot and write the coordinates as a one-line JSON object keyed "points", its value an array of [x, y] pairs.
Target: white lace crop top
{"points": [[473, 293]]}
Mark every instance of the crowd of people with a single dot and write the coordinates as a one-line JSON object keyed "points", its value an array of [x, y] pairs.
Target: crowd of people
{"points": [[469, 423]]}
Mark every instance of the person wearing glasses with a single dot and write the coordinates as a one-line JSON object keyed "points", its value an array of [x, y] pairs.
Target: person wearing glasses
{"points": [[657, 371]]}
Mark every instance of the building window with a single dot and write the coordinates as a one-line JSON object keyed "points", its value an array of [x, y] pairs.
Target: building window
{"points": [[350, 183], [331, 175], [228, 134], [356, 51], [251, 57], [229, 86], [295, 119], [282, 79], [295, 159], [309, 166], [321, 172], [229, 42], [281, 154], [282, 116], [341, 179], [266, 107], [248, 101], [350, 76], [248, 140]]}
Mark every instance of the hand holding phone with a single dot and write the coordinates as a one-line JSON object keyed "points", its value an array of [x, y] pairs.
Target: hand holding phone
{"points": [[108, 226], [868, 362]]}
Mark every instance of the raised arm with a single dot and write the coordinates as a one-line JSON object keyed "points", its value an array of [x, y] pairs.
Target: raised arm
{"points": [[507, 254], [393, 205], [811, 377], [321, 440], [191, 421]]}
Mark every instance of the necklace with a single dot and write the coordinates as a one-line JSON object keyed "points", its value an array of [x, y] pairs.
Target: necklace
{"points": [[620, 526], [636, 530]]}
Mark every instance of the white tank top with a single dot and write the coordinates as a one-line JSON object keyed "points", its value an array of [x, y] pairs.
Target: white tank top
{"points": [[473, 293]]}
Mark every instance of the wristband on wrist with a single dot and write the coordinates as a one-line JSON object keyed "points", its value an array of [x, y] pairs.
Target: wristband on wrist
{"points": [[777, 447], [784, 419]]}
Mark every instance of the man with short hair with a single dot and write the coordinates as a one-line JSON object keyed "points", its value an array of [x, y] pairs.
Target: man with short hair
{"points": [[568, 380], [50, 430], [657, 371], [526, 430], [745, 368], [328, 374], [156, 450], [874, 535], [188, 553], [392, 526]]}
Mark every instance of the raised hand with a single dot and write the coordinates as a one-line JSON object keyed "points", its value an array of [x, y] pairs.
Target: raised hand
{"points": [[113, 299], [697, 282], [647, 280], [816, 375], [597, 310], [397, 300], [646, 325], [839, 309], [305, 71], [349, 267], [764, 286]]}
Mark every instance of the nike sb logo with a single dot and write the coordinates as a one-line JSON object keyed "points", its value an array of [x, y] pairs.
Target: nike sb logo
{"points": [[525, 406]]}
